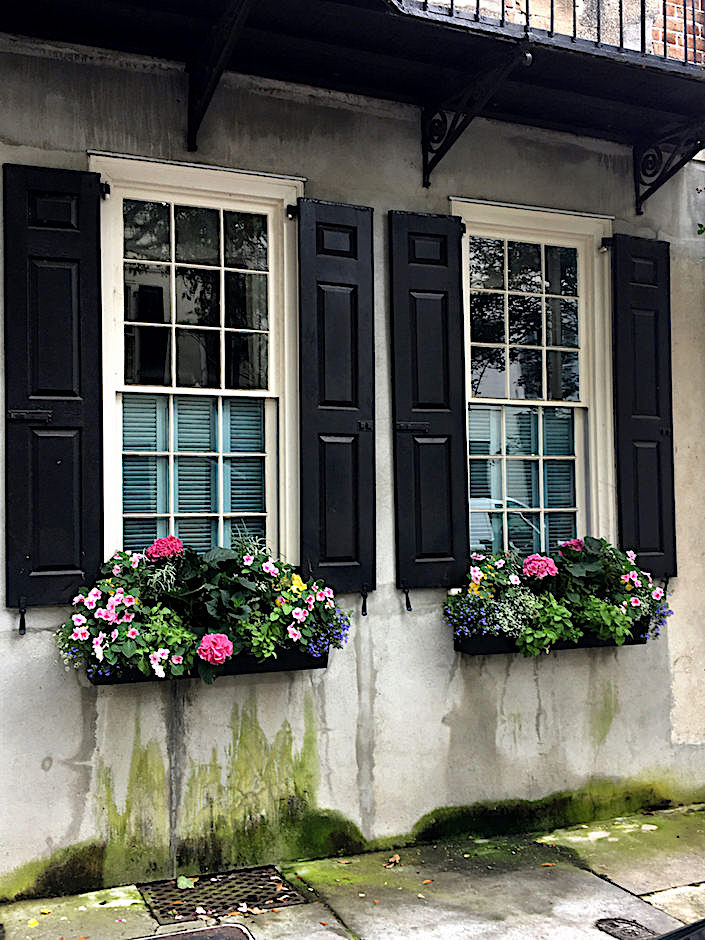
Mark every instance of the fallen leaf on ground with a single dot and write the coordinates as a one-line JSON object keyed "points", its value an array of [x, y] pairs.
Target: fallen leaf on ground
{"points": [[182, 882], [547, 864], [344, 861], [322, 923], [393, 860], [427, 881], [32, 923], [45, 910]]}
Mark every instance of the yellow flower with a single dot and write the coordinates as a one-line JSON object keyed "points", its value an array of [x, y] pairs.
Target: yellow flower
{"points": [[297, 584]]}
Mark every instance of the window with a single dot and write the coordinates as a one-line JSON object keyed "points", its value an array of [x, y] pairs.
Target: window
{"points": [[200, 356], [538, 379]]}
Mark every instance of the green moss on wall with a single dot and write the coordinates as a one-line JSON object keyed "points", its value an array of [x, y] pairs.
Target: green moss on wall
{"points": [[70, 870]]}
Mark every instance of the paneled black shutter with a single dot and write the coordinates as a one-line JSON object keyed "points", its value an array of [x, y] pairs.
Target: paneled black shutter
{"points": [[642, 383], [336, 379], [429, 400], [54, 506]]}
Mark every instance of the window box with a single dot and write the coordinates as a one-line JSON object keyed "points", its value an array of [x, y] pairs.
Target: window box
{"points": [[491, 645]]}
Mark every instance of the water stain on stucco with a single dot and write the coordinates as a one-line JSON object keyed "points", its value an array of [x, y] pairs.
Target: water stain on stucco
{"points": [[603, 712]]}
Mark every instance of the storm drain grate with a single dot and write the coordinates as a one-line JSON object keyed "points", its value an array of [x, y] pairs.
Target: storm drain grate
{"points": [[624, 929], [210, 933], [253, 890]]}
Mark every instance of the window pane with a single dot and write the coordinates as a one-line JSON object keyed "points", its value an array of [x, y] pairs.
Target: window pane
{"points": [[561, 270], [145, 422], [197, 359], [485, 429], [195, 423], [197, 234], [195, 484], [524, 262], [199, 534], [558, 435], [524, 532], [146, 230], [559, 483], [197, 297], [146, 294], [561, 322], [525, 320], [524, 373], [562, 375], [147, 355], [486, 532], [243, 425], [246, 301], [138, 534], [246, 241], [522, 430], [486, 484], [488, 372], [560, 527], [243, 485], [145, 484], [487, 263], [487, 318], [522, 484], [243, 527], [246, 360]]}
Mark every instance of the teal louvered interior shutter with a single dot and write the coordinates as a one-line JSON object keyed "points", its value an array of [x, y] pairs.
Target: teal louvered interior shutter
{"points": [[54, 498]]}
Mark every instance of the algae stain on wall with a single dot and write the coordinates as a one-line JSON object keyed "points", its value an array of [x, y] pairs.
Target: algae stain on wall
{"points": [[602, 713]]}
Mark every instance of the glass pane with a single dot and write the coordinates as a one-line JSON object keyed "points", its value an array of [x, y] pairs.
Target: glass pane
{"points": [[524, 532], [522, 430], [246, 360], [525, 320], [522, 484], [488, 373], [246, 241], [561, 322], [242, 527], [524, 262], [487, 318], [485, 429], [197, 297], [138, 534], [195, 484], [146, 230], [486, 532], [243, 425], [197, 234], [199, 534], [146, 295], [558, 433], [524, 373], [560, 527], [243, 484], [246, 301], [487, 263], [561, 270], [195, 423], [562, 375], [559, 483], [145, 422], [197, 359], [486, 484], [147, 355], [145, 484]]}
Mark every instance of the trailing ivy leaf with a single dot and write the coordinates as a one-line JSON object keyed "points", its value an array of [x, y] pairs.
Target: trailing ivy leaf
{"points": [[217, 555]]}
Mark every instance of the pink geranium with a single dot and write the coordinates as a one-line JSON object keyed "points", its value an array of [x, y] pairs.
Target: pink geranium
{"points": [[215, 648], [576, 545], [539, 566], [168, 547]]}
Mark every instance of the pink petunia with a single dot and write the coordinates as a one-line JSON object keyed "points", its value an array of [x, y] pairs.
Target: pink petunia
{"points": [[247, 559], [177, 660], [135, 560], [133, 632], [116, 570], [635, 602], [328, 592], [163, 653], [128, 600], [634, 576], [270, 568], [476, 575], [631, 556], [499, 563], [293, 632], [78, 620], [299, 614], [80, 633], [78, 599], [477, 557], [128, 617], [320, 596], [657, 593], [514, 579], [114, 635]]}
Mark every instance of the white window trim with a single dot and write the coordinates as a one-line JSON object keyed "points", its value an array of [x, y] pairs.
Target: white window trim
{"points": [[586, 233], [219, 188]]}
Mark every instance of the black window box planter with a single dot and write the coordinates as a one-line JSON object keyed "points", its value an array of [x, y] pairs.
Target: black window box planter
{"points": [[490, 644], [288, 660]]}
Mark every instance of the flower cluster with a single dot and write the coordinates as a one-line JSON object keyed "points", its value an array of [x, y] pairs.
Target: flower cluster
{"points": [[168, 547]]}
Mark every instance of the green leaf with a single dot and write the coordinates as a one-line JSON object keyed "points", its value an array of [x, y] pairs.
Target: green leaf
{"points": [[129, 648], [182, 882], [216, 555], [274, 615]]}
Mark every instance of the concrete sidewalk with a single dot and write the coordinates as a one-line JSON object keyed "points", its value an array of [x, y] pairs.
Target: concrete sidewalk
{"points": [[647, 869]]}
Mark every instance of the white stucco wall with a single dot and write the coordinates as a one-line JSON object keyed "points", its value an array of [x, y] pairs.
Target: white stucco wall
{"points": [[403, 724]]}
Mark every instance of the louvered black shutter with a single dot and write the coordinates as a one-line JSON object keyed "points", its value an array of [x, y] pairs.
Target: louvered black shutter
{"points": [[429, 400], [54, 508], [642, 383], [337, 394]]}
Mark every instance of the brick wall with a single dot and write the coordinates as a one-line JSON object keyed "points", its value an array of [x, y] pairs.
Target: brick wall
{"points": [[680, 42]]}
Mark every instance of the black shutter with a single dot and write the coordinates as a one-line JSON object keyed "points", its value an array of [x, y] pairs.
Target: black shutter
{"points": [[336, 379], [430, 410], [642, 384], [54, 506]]}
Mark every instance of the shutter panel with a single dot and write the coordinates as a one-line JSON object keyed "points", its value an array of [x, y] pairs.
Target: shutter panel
{"points": [[429, 400], [336, 378], [54, 505], [642, 383]]}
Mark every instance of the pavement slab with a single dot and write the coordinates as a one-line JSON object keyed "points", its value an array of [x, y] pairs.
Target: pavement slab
{"points": [[687, 902]]}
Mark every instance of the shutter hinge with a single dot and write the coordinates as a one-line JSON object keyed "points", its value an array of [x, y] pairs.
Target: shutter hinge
{"points": [[606, 243], [365, 426], [22, 610], [422, 427], [364, 592], [292, 211], [405, 592], [104, 189]]}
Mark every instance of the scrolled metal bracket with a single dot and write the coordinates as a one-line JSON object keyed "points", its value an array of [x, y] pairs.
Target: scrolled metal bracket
{"points": [[443, 124], [656, 161]]}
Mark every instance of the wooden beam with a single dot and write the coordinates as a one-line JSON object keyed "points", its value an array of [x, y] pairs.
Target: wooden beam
{"points": [[209, 61]]}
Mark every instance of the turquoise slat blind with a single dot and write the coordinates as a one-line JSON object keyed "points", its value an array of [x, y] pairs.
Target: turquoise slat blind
{"points": [[243, 425], [196, 484], [145, 421], [243, 526], [144, 484], [195, 423], [200, 534], [244, 484], [560, 526], [138, 534], [559, 483], [558, 432], [484, 430]]}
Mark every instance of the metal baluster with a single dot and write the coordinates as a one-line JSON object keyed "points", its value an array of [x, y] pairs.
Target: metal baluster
{"points": [[553, 18], [599, 22], [502, 15], [575, 19], [452, 7], [665, 42], [643, 27], [528, 16], [695, 33], [621, 25], [685, 30]]}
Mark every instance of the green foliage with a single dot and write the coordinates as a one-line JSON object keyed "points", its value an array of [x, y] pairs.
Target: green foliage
{"points": [[552, 622]]}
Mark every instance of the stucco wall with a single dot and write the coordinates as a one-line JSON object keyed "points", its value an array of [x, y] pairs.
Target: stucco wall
{"points": [[398, 725]]}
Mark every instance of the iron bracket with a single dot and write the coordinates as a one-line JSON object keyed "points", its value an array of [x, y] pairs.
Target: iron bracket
{"points": [[443, 124], [656, 161]]}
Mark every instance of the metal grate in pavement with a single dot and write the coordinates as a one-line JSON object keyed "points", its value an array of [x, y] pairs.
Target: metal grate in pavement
{"points": [[624, 929], [210, 933], [254, 890]]}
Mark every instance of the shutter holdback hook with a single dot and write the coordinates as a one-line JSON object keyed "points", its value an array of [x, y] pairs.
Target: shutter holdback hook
{"points": [[405, 592], [364, 592], [22, 607]]}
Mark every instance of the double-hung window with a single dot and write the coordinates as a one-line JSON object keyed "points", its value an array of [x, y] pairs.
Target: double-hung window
{"points": [[199, 356], [538, 379]]}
